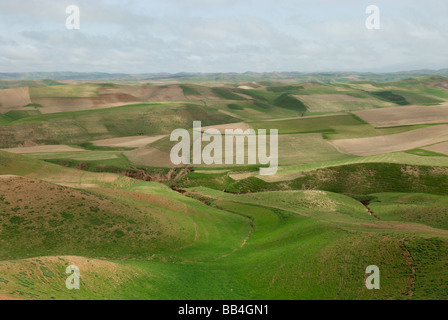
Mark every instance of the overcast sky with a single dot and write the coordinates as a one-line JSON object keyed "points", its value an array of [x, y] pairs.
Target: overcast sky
{"points": [[145, 36]]}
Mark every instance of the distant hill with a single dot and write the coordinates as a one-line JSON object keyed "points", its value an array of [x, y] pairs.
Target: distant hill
{"points": [[327, 77]]}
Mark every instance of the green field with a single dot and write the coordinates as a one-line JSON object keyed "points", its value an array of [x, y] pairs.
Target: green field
{"points": [[331, 126]]}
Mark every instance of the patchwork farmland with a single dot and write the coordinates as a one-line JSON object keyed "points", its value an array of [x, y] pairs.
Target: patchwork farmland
{"points": [[86, 179]]}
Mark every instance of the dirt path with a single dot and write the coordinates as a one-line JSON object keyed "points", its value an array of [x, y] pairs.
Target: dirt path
{"points": [[410, 262], [4, 298], [196, 232], [274, 278], [244, 241], [248, 236], [128, 142], [366, 204], [251, 223], [43, 149]]}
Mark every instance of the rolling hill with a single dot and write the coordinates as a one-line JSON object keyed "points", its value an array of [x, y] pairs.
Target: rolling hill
{"points": [[86, 180]]}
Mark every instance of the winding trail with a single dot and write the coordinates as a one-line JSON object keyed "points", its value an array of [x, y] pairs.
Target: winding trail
{"points": [[410, 290], [366, 204]]}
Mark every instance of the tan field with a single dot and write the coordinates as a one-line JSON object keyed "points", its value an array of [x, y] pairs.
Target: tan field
{"points": [[16, 99], [394, 142], [149, 156], [128, 142], [230, 126], [245, 87], [148, 94], [406, 115], [42, 149], [53, 105], [12, 99], [5, 298], [440, 148], [338, 102]]}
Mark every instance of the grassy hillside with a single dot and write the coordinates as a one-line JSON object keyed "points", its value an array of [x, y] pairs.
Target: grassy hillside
{"points": [[44, 219], [332, 127], [83, 126], [428, 209], [362, 178]]}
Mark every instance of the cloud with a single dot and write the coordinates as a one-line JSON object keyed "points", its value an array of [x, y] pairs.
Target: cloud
{"points": [[222, 36]]}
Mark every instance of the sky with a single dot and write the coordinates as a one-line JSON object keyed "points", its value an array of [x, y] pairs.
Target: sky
{"points": [[152, 36]]}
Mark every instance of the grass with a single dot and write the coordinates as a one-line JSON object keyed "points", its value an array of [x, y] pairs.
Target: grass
{"points": [[332, 126], [20, 114], [226, 93], [33, 105], [307, 148], [418, 98], [92, 161], [274, 245], [296, 89], [391, 97], [9, 84], [93, 147], [4, 119], [426, 153], [84, 126], [428, 209], [233, 106], [189, 90], [342, 101], [361, 179], [45, 216], [303, 234], [253, 110], [288, 102]]}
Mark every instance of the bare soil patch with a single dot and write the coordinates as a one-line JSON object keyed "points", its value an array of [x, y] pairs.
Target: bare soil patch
{"points": [[8, 176], [440, 148], [53, 105], [5, 298], [406, 115], [12, 99], [148, 93], [43, 149], [149, 156], [107, 98], [128, 142], [394, 142], [245, 87]]}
